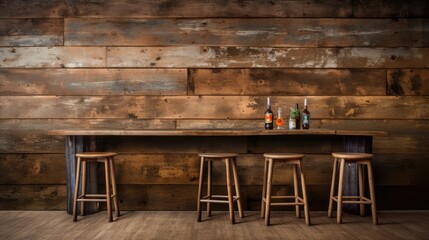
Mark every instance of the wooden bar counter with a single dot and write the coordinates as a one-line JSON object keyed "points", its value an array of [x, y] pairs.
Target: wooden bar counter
{"points": [[85, 140]]}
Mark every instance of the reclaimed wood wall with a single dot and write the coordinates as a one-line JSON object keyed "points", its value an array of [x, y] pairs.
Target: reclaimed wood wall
{"points": [[363, 65]]}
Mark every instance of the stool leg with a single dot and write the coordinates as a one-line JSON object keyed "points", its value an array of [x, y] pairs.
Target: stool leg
{"points": [[340, 192], [209, 186], [304, 194], [200, 190], [264, 188], [372, 193], [237, 187], [229, 188], [76, 190], [108, 194], [83, 188], [361, 194], [296, 190], [268, 196], [331, 195], [115, 192]]}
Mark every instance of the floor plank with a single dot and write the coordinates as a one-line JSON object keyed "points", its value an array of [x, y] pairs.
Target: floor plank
{"points": [[183, 225]]}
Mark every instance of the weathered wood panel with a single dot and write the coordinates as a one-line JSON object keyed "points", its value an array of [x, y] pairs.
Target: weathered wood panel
{"points": [[408, 82], [32, 197], [402, 128], [319, 82], [401, 170], [217, 8], [208, 107], [33, 169], [52, 57], [30, 135], [265, 57], [35, 9], [391, 9], [93, 82], [219, 124], [31, 32], [247, 32], [176, 9]]}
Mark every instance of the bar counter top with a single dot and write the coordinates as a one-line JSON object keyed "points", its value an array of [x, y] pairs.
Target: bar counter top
{"points": [[209, 132]]}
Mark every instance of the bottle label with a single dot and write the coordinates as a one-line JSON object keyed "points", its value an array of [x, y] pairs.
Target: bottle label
{"points": [[268, 118], [305, 118], [292, 123]]}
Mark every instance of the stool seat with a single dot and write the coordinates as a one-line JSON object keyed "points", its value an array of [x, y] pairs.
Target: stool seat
{"points": [[295, 160], [218, 155], [95, 154], [283, 155], [351, 156]]}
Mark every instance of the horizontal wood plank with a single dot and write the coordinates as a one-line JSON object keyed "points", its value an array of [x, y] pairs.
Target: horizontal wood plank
{"points": [[93, 82], [209, 107], [31, 32], [33, 197], [172, 145], [31, 135], [176, 9], [408, 82], [265, 57], [36, 9], [247, 32], [321, 82], [391, 9], [217, 8], [52, 57], [33, 169]]}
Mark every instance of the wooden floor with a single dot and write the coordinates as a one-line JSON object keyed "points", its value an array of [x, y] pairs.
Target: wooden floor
{"points": [[182, 225]]}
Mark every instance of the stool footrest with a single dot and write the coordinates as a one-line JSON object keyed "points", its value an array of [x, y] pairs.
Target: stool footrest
{"points": [[91, 200], [300, 201], [364, 201], [211, 200], [287, 204]]}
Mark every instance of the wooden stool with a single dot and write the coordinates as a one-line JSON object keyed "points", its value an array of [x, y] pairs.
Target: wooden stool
{"points": [[296, 161], [230, 160], [107, 159], [361, 159]]}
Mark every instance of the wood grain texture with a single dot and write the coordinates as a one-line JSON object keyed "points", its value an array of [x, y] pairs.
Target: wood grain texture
{"points": [[31, 32], [408, 82], [93, 82], [182, 225], [52, 57], [210, 107], [32, 169], [30, 135], [36, 9], [217, 8], [321, 82], [247, 32], [391, 9], [32, 197], [265, 57], [176, 9]]}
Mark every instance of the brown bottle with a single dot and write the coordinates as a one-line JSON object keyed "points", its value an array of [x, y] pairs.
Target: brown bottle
{"points": [[269, 124], [305, 116]]}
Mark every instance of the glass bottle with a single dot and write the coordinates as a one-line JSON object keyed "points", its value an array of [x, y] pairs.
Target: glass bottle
{"points": [[280, 121], [269, 116], [305, 116], [298, 118]]}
